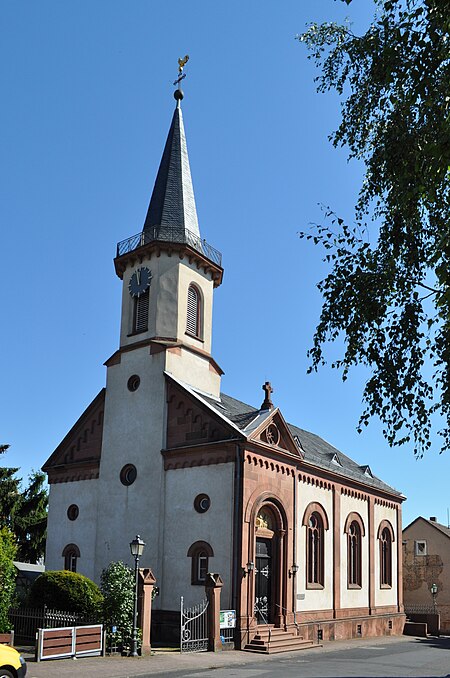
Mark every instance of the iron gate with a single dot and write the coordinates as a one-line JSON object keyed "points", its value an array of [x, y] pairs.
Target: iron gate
{"points": [[194, 627]]}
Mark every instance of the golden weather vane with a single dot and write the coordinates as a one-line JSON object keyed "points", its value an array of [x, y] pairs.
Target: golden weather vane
{"points": [[182, 61]]}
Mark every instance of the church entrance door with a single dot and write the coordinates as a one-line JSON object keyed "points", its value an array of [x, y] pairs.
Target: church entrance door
{"points": [[263, 581]]}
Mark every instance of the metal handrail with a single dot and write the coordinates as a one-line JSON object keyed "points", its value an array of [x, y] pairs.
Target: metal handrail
{"points": [[258, 609], [169, 233], [284, 609]]}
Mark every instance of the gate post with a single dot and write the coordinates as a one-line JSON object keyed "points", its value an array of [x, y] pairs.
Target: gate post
{"points": [[213, 584], [146, 582]]}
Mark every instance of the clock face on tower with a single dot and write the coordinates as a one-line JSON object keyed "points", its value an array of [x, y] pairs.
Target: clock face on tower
{"points": [[140, 281]]}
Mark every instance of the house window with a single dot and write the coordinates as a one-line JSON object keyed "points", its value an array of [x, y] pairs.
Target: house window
{"points": [[140, 318], [200, 552], [71, 553], [386, 537], [420, 547], [193, 320], [354, 529], [316, 522]]}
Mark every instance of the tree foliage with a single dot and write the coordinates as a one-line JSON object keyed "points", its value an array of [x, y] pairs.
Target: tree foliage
{"points": [[117, 586], [24, 511], [65, 590], [7, 576], [387, 294]]}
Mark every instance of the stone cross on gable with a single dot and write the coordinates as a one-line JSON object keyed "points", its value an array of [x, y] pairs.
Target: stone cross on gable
{"points": [[267, 404]]}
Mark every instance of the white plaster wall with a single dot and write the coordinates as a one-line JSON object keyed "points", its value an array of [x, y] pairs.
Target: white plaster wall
{"points": [[354, 597], [321, 599], [81, 531], [184, 526], [385, 596], [134, 431], [194, 370]]}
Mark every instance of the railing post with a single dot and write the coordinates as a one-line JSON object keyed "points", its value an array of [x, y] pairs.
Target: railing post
{"points": [[213, 585]]}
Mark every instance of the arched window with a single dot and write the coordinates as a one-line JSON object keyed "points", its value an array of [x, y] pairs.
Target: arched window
{"points": [[194, 315], [354, 555], [316, 521], [71, 553], [354, 529], [385, 537], [314, 550], [200, 552]]}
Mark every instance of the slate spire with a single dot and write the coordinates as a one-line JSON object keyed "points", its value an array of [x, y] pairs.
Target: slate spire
{"points": [[172, 214]]}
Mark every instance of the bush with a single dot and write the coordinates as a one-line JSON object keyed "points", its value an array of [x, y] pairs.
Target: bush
{"points": [[7, 576], [68, 591], [117, 586]]}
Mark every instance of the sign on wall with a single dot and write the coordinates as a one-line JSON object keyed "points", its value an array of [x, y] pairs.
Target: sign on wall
{"points": [[227, 619]]}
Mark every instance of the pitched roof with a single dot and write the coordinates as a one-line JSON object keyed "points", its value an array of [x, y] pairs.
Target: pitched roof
{"points": [[317, 451], [442, 528], [172, 205]]}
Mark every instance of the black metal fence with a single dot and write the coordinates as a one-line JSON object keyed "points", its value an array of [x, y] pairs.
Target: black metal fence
{"points": [[169, 233], [26, 621]]}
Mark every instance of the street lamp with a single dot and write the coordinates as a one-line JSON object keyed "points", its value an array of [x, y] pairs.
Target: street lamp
{"points": [[248, 568], [137, 549], [434, 590]]}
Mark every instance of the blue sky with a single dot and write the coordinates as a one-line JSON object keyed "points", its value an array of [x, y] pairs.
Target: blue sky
{"points": [[86, 106]]}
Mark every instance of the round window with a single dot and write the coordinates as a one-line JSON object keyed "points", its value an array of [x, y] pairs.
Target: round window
{"points": [[72, 512], [202, 503], [133, 383], [128, 474]]}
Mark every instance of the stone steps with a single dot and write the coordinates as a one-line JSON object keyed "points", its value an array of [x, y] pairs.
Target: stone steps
{"points": [[269, 640]]}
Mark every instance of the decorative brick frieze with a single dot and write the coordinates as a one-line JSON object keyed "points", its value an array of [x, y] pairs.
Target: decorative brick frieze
{"points": [[316, 481], [188, 422], [77, 457]]}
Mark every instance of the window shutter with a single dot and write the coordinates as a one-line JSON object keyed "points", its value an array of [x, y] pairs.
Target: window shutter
{"points": [[141, 313], [192, 311]]}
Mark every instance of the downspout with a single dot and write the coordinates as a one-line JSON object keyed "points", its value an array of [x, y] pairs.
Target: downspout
{"points": [[294, 554], [237, 533]]}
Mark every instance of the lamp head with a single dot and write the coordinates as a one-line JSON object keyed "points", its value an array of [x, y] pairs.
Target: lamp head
{"points": [[137, 546]]}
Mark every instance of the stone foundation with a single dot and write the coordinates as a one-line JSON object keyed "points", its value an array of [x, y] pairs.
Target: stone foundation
{"points": [[356, 627]]}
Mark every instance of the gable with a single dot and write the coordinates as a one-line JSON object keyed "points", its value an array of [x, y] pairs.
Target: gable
{"points": [[189, 422], [423, 528], [273, 432], [77, 457]]}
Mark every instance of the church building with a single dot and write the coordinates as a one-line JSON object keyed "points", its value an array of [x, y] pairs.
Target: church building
{"points": [[304, 538]]}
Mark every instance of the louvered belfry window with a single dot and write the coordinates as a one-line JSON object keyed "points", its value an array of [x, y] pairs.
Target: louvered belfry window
{"points": [[141, 312], [193, 311]]}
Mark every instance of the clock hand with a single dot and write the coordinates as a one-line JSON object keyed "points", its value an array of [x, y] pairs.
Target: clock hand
{"points": [[138, 277]]}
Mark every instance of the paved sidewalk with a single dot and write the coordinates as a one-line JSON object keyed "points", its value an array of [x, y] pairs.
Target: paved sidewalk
{"points": [[165, 662]]}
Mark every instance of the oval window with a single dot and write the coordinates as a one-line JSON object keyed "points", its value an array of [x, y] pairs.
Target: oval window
{"points": [[133, 383], [128, 474], [72, 512], [202, 503]]}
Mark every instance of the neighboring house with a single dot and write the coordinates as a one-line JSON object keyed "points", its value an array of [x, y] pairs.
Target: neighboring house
{"points": [[300, 534], [26, 574], [426, 561]]}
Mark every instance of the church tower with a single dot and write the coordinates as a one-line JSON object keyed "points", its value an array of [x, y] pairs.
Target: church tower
{"points": [[169, 273]]}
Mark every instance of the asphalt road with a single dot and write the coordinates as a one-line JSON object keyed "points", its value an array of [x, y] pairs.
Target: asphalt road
{"points": [[372, 658]]}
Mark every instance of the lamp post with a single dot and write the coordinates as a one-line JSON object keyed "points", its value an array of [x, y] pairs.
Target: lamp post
{"points": [[434, 590], [137, 549]]}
